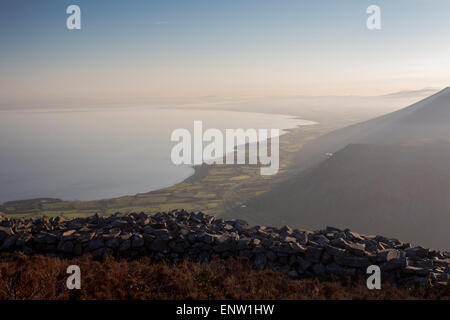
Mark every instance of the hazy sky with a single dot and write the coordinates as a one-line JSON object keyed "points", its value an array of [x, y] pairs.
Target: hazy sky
{"points": [[191, 48]]}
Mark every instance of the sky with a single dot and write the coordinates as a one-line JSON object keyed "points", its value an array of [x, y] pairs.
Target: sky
{"points": [[139, 49]]}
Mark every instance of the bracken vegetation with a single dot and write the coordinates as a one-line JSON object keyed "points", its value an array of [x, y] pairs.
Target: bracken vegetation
{"points": [[39, 277]]}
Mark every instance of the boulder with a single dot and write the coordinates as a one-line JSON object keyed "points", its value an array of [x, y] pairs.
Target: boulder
{"points": [[335, 269], [67, 247], [125, 245], [96, 244], [318, 268], [394, 264], [416, 253], [333, 251], [303, 265], [137, 241], [313, 254], [67, 235], [356, 249], [301, 236], [159, 245], [5, 232], [387, 255], [351, 261], [415, 271], [113, 243], [9, 243], [260, 261]]}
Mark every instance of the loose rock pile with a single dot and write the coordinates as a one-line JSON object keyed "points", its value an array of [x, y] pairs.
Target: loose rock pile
{"points": [[183, 235]]}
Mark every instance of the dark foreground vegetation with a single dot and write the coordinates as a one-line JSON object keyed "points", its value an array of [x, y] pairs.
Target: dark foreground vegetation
{"points": [[39, 277]]}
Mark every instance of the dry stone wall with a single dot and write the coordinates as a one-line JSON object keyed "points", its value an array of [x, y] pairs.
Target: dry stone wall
{"points": [[186, 235]]}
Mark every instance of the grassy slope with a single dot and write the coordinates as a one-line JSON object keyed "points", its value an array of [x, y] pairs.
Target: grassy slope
{"points": [[23, 277]]}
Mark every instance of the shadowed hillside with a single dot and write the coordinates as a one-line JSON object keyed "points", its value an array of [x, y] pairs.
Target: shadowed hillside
{"points": [[426, 120], [390, 175]]}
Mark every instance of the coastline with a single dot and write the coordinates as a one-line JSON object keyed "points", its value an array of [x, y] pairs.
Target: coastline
{"points": [[39, 206]]}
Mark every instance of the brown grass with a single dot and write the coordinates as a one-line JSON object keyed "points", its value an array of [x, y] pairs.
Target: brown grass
{"points": [[39, 277]]}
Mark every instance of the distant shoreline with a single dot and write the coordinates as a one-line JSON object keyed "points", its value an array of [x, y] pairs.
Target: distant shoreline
{"points": [[199, 171]]}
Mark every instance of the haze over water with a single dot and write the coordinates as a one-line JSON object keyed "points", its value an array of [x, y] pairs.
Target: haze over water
{"points": [[103, 153]]}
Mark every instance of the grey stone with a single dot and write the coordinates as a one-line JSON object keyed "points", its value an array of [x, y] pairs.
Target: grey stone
{"points": [[393, 264], [148, 229], [208, 238], [65, 246], [176, 247], [356, 249], [9, 243], [159, 245], [303, 265], [96, 244], [338, 243], [255, 242], [333, 229], [417, 252], [286, 229], [415, 271], [355, 236], [222, 239], [260, 261], [28, 250], [422, 281], [318, 268], [326, 258], [302, 237], [98, 253], [113, 243], [50, 238], [289, 239], [387, 255], [313, 254], [222, 247], [68, 234], [333, 251], [119, 224], [162, 234], [78, 249], [292, 274], [335, 269], [351, 261], [297, 249], [5, 232], [137, 242], [271, 256], [124, 246], [243, 243]]}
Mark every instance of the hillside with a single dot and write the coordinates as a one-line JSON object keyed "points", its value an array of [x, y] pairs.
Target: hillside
{"points": [[390, 175]]}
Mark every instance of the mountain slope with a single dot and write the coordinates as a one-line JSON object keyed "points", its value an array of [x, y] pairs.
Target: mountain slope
{"points": [[389, 175], [427, 119]]}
